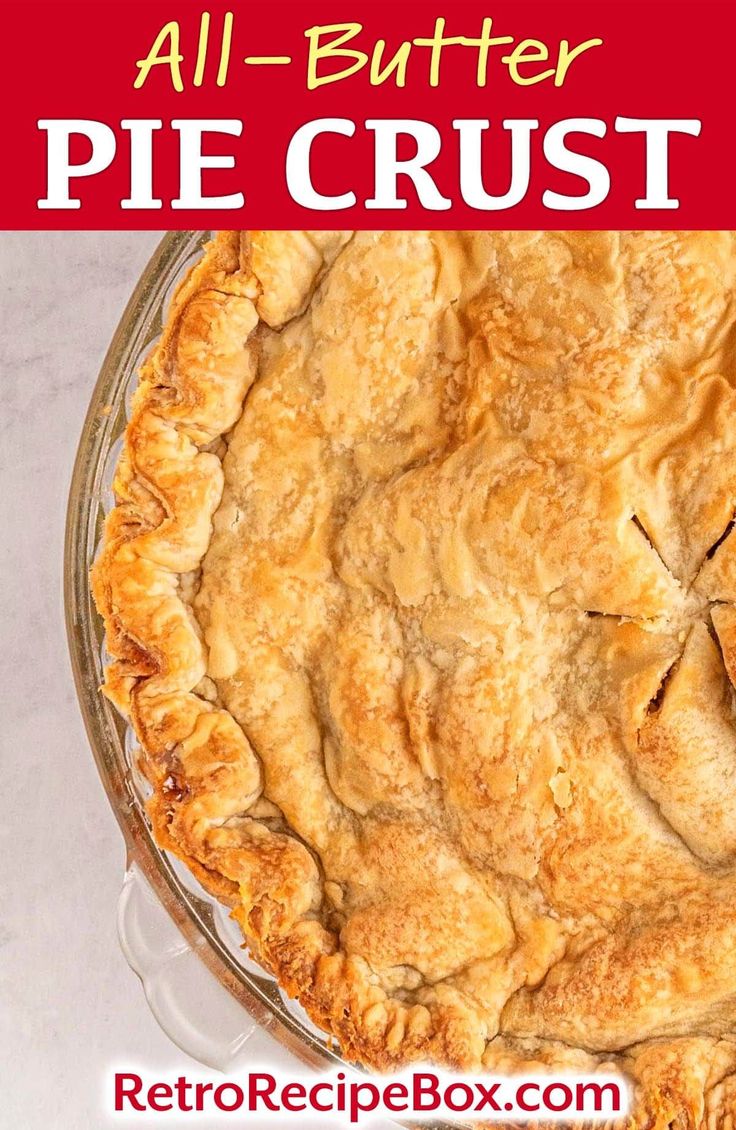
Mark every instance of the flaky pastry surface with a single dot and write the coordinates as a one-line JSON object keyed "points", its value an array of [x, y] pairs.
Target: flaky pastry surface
{"points": [[421, 593]]}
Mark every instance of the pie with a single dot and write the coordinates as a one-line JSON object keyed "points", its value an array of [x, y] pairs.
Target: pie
{"points": [[421, 596]]}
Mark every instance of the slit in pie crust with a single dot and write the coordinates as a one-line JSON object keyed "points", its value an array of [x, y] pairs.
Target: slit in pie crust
{"points": [[421, 593]]}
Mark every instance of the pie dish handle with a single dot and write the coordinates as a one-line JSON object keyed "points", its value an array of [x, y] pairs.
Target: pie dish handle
{"points": [[194, 1010], [190, 1005]]}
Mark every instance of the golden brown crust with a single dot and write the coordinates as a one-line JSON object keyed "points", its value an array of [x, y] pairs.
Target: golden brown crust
{"points": [[461, 577]]}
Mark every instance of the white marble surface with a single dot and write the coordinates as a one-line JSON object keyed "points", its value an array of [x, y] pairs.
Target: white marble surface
{"points": [[69, 1006]]}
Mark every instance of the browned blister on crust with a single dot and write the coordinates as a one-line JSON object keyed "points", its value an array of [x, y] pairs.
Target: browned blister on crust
{"points": [[418, 593]]}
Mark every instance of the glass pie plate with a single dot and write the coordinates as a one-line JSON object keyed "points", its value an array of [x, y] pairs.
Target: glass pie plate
{"points": [[207, 994]]}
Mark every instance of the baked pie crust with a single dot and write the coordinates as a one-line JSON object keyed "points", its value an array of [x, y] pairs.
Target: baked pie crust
{"points": [[421, 593]]}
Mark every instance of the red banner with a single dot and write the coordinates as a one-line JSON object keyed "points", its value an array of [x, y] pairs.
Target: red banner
{"points": [[345, 113]]}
